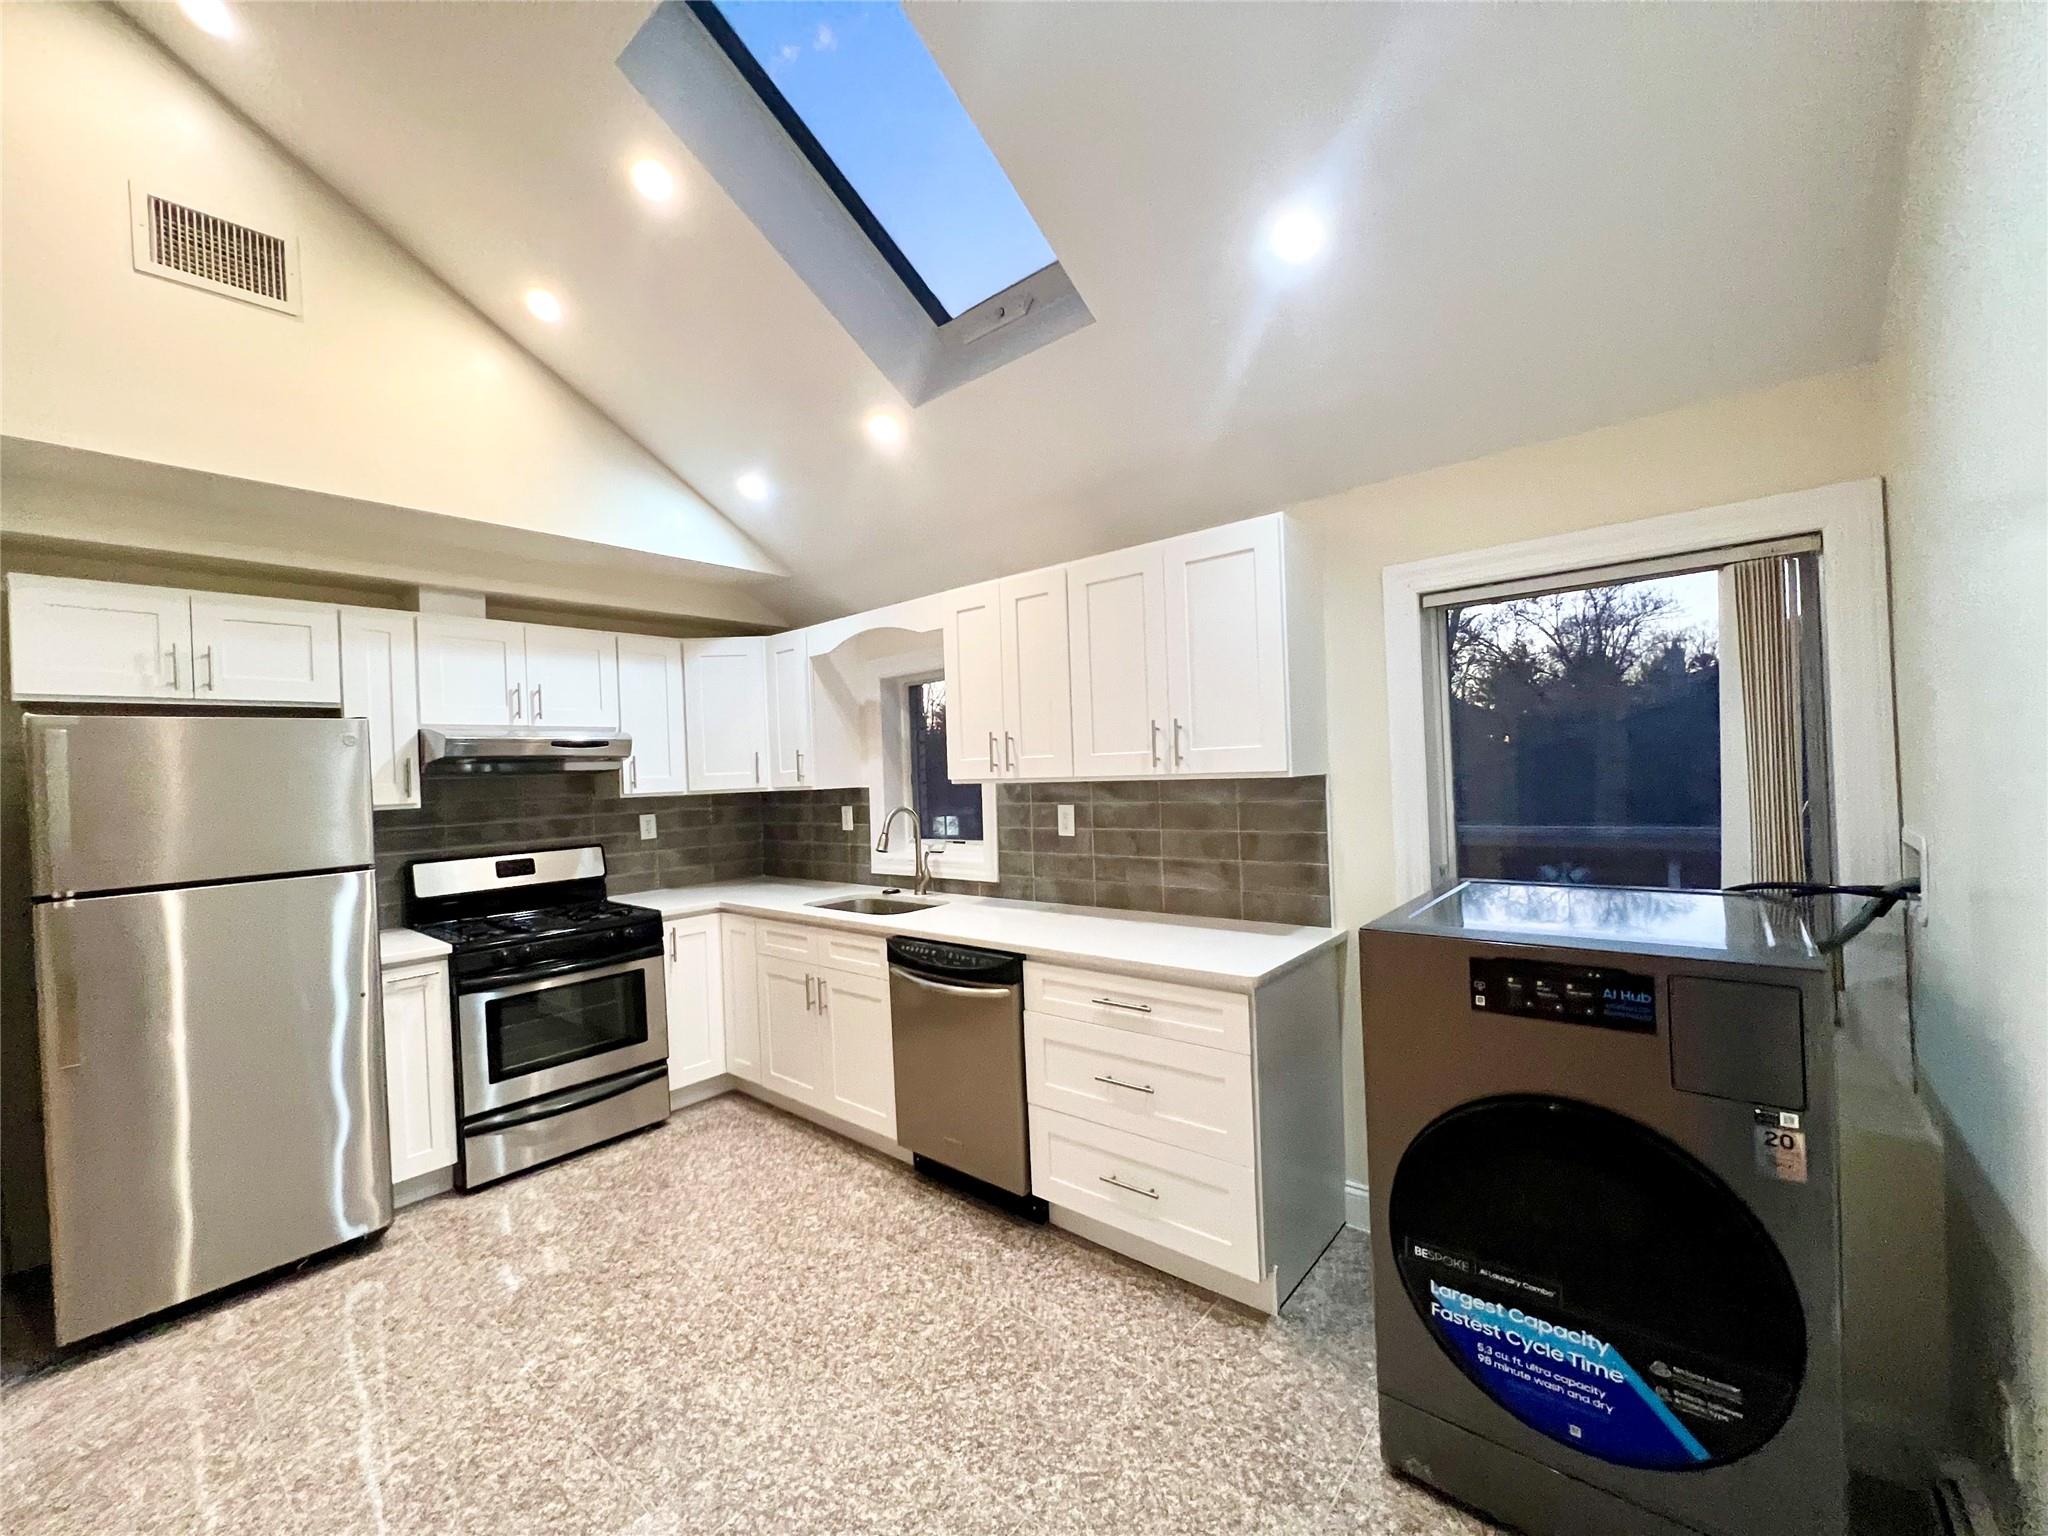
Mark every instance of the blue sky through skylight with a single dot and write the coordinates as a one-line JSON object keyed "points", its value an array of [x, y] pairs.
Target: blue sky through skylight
{"points": [[864, 83]]}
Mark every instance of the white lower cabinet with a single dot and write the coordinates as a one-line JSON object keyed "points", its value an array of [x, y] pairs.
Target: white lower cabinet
{"points": [[742, 1000], [795, 1057], [1185, 1095], [861, 1085], [419, 1069], [696, 1000]]}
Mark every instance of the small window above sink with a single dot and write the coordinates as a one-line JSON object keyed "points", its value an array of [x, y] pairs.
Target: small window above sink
{"points": [[874, 906]]}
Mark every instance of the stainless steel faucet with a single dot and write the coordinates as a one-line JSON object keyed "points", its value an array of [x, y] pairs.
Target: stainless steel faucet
{"points": [[923, 882]]}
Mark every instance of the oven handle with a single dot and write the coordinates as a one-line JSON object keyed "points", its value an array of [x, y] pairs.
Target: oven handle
{"points": [[547, 977], [562, 1103]]}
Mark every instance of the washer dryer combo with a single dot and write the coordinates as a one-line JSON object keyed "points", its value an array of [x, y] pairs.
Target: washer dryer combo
{"points": [[1605, 1220]]}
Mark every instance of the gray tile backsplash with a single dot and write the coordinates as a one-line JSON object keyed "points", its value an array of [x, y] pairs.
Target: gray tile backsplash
{"points": [[1252, 848]]}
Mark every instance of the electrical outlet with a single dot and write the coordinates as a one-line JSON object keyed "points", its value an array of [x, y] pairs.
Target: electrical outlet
{"points": [[1066, 821], [647, 827], [846, 818]]}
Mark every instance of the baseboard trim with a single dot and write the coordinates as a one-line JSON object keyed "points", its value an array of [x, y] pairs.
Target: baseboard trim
{"points": [[1357, 1205], [422, 1187], [697, 1093]]}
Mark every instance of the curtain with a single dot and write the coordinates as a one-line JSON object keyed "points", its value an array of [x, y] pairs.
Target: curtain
{"points": [[1766, 648]]}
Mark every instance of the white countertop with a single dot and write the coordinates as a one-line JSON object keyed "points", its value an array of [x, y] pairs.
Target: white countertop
{"points": [[402, 946], [1205, 951]]}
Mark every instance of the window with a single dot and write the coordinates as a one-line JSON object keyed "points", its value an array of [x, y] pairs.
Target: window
{"points": [[1658, 729], [947, 811], [856, 88]]}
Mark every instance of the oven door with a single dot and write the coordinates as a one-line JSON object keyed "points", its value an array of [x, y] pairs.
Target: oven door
{"points": [[525, 1038]]}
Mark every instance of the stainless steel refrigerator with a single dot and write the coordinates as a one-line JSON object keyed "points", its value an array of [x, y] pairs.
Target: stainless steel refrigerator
{"points": [[204, 915]]}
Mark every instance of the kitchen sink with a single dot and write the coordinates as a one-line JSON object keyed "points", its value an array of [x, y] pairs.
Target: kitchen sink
{"points": [[875, 906]]}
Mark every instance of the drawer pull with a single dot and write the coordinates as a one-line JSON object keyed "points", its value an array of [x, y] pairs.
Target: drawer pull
{"points": [[1110, 1178], [1117, 1083], [1110, 1002]]}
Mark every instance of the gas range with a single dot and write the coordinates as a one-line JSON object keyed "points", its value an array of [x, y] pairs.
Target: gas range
{"points": [[560, 1004]]}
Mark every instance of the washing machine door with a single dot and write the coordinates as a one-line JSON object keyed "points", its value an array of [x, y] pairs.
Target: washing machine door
{"points": [[1598, 1282]]}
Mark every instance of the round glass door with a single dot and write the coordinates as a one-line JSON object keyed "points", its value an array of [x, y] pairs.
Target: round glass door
{"points": [[1598, 1282]]}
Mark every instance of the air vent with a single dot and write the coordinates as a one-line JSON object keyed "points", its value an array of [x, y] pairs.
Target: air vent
{"points": [[203, 250]]}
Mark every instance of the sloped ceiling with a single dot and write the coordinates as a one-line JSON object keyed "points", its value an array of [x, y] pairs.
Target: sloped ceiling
{"points": [[1545, 218]]}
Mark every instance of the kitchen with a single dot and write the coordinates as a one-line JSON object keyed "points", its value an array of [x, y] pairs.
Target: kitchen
{"points": [[613, 906]]}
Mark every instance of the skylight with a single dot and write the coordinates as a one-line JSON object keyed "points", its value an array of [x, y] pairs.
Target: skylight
{"points": [[861, 95]]}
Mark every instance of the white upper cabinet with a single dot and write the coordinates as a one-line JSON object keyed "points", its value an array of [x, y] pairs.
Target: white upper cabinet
{"points": [[651, 713], [1038, 719], [380, 682], [1226, 650], [472, 671], [974, 683], [724, 685], [790, 761], [572, 678], [1116, 624], [98, 640], [262, 650]]}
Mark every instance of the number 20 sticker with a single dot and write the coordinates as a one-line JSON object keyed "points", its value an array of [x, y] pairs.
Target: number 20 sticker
{"points": [[1781, 1153]]}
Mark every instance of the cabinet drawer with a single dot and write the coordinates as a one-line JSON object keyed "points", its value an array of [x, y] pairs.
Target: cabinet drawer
{"points": [[853, 952], [785, 941], [1196, 1015], [1188, 1095], [1199, 1206]]}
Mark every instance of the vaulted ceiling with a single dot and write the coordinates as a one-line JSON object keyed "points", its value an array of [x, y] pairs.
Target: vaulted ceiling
{"points": [[1543, 219]]}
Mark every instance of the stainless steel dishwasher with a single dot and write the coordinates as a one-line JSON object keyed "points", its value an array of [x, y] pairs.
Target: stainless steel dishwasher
{"points": [[958, 1021]]}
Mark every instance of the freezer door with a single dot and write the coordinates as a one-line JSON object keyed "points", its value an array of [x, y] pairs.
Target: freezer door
{"points": [[213, 1087], [120, 802]]}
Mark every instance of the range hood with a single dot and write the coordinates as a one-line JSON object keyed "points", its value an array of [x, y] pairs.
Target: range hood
{"points": [[521, 751]]}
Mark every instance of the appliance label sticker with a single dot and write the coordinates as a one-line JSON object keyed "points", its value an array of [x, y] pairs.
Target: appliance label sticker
{"points": [[1781, 1153], [1567, 1382]]}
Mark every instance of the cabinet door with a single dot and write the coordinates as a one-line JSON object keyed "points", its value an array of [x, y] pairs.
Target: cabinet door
{"points": [[742, 1000], [1226, 650], [795, 1056], [1038, 715], [1116, 623], [974, 684], [472, 671], [861, 1087], [419, 1070], [724, 689], [380, 682], [696, 1001], [572, 678], [789, 711], [651, 713], [262, 651], [98, 640]]}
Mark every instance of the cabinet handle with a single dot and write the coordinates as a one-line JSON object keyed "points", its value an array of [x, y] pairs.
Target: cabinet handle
{"points": [[671, 945], [633, 771], [208, 653], [536, 701], [1010, 751], [992, 753], [799, 767], [810, 992], [1118, 1083], [824, 1000], [1155, 743], [1110, 1178], [1110, 1002], [513, 695], [1179, 757], [757, 767], [405, 768], [174, 669]]}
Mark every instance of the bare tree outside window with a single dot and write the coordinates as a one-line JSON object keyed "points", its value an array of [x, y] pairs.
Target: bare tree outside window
{"points": [[1586, 734]]}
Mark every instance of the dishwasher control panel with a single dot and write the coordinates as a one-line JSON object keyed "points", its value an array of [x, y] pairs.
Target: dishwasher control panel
{"points": [[958, 960]]}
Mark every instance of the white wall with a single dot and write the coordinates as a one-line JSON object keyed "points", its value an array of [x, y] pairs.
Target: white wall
{"points": [[388, 390], [1811, 432], [1966, 450]]}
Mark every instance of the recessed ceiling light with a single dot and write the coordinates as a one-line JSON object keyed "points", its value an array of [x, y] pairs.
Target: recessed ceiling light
{"points": [[209, 16], [1297, 235], [651, 179], [885, 429], [543, 305], [753, 485]]}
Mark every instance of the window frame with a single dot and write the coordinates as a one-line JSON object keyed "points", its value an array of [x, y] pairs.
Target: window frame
{"points": [[1848, 520], [952, 859]]}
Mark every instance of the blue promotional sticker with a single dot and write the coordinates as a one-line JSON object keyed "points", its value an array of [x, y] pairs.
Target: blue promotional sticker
{"points": [[1566, 1382]]}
